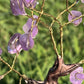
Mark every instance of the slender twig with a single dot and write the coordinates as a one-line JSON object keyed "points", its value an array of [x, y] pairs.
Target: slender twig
{"points": [[55, 18], [7, 73], [66, 10], [61, 41], [46, 15], [66, 4], [20, 80], [67, 7], [13, 69], [72, 20], [32, 20], [14, 61], [46, 25], [52, 37], [41, 12], [39, 21], [5, 63]]}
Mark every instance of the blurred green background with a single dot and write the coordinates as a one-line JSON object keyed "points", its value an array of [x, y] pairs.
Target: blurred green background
{"points": [[36, 62]]}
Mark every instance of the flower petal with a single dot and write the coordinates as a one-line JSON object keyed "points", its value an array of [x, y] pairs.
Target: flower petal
{"points": [[27, 28], [14, 45], [30, 3], [17, 7], [82, 1], [80, 76], [34, 32], [73, 78], [26, 41], [74, 14]]}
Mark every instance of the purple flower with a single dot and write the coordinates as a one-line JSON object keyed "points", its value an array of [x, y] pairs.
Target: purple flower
{"points": [[26, 41], [17, 7], [74, 14], [82, 1], [34, 31], [27, 28], [14, 46], [30, 3], [0, 51], [77, 76]]}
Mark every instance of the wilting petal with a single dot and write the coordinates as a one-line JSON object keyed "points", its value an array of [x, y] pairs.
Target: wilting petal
{"points": [[74, 14], [0, 51], [26, 41], [73, 76], [34, 32], [14, 45], [17, 7], [82, 1], [30, 3]]}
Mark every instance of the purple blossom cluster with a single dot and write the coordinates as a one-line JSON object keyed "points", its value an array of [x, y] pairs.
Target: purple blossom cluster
{"points": [[24, 41], [77, 76], [75, 14], [18, 6]]}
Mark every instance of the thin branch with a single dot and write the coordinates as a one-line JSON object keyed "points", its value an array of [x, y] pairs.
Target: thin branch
{"points": [[32, 21], [23, 76], [39, 21], [72, 20], [66, 10], [55, 18], [11, 68], [20, 80], [14, 61], [40, 12], [67, 7], [7, 73], [66, 4], [47, 15], [61, 41], [47, 26], [5, 63], [52, 37]]}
